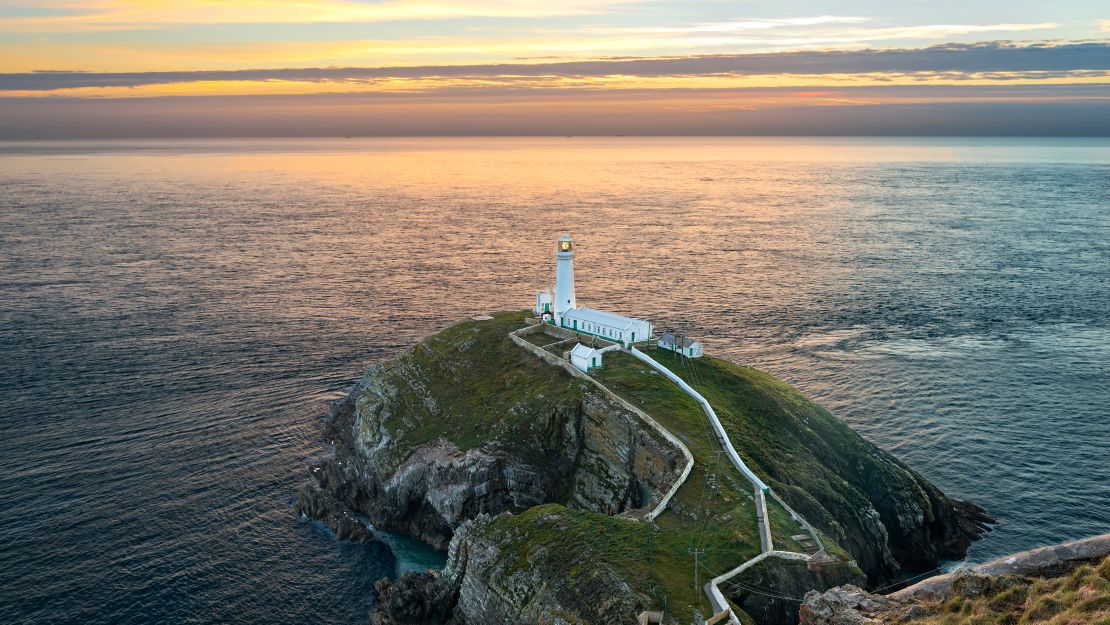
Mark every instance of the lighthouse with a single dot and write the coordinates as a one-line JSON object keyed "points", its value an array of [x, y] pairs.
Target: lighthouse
{"points": [[564, 278], [561, 308]]}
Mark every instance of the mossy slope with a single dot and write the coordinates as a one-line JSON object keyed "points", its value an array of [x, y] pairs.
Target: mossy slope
{"points": [[1080, 598], [885, 514], [471, 387]]}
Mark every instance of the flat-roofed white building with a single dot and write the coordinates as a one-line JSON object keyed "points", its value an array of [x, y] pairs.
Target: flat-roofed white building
{"points": [[609, 326], [585, 358]]}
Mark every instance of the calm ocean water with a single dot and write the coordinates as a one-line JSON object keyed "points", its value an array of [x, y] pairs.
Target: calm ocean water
{"points": [[174, 316]]}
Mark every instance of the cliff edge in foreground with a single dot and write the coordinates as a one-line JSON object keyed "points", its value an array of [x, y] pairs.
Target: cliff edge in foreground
{"points": [[538, 483], [1067, 584]]}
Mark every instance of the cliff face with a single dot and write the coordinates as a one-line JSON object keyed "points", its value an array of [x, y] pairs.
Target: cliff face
{"points": [[768, 592], [447, 440], [874, 506], [466, 424], [516, 570]]}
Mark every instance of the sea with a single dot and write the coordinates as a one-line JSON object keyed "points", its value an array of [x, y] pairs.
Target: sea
{"points": [[176, 314]]}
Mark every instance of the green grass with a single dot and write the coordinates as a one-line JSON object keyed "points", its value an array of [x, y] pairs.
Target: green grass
{"points": [[720, 520], [575, 542], [821, 467], [471, 384], [540, 339], [1079, 598]]}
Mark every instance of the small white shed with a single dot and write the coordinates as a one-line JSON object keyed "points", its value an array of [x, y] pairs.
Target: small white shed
{"points": [[585, 358], [691, 348], [543, 303]]}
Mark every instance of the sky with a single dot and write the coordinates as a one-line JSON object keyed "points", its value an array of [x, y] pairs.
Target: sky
{"points": [[153, 68]]}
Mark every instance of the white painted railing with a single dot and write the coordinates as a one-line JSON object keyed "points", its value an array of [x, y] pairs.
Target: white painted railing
{"points": [[800, 520], [712, 587], [717, 427], [515, 336], [716, 598]]}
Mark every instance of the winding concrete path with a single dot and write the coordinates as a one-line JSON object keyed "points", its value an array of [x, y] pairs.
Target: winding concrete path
{"points": [[516, 337], [763, 518], [712, 588]]}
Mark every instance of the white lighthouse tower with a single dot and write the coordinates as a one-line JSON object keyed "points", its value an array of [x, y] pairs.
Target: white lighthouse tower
{"points": [[564, 278]]}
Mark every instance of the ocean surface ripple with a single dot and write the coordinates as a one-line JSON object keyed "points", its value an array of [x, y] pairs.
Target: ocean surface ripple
{"points": [[175, 316]]}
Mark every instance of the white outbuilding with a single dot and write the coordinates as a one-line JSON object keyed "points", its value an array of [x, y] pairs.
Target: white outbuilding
{"points": [[691, 348], [543, 303], [585, 358], [609, 326]]}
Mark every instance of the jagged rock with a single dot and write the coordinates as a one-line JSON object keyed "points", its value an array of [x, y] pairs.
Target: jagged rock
{"points": [[414, 599], [467, 425], [988, 582], [971, 584], [321, 505], [765, 590], [595, 455], [483, 587], [844, 605]]}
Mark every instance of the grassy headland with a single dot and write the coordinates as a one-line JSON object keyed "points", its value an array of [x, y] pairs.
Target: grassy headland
{"points": [[472, 386]]}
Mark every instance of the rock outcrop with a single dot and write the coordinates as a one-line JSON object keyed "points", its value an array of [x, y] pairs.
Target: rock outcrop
{"points": [[530, 478], [313, 502], [491, 578], [1051, 561], [885, 514], [467, 424], [1001, 586], [586, 452], [768, 591]]}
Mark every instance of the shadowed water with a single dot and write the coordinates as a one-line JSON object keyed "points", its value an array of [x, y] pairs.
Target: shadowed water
{"points": [[174, 317]]}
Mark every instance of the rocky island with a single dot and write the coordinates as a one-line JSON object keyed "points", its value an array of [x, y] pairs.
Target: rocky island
{"points": [[604, 497]]}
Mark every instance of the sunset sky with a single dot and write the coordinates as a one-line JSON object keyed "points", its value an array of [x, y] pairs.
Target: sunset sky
{"points": [[107, 68]]}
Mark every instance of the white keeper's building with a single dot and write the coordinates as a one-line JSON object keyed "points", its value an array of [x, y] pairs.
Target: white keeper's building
{"points": [[607, 325], [559, 307]]}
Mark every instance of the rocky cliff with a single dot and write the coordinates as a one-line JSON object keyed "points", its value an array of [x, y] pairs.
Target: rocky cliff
{"points": [[1068, 583], [533, 479], [466, 423], [883, 513], [498, 572]]}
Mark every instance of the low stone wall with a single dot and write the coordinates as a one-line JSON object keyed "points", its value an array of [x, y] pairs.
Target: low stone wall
{"points": [[565, 333], [550, 358], [547, 356], [556, 348]]}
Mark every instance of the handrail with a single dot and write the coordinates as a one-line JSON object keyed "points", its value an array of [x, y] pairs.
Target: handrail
{"points": [[717, 427], [763, 519], [716, 598], [666, 434]]}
